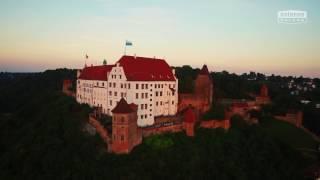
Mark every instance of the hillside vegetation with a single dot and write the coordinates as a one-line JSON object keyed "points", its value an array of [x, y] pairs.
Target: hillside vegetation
{"points": [[42, 137]]}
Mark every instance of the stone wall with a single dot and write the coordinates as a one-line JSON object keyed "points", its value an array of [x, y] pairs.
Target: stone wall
{"points": [[212, 124], [101, 131], [148, 131], [198, 102], [292, 118]]}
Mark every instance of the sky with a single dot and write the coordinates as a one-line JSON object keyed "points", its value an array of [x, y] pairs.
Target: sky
{"points": [[234, 35]]}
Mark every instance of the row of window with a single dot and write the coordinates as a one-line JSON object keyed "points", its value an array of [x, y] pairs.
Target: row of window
{"points": [[143, 95], [144, 116], [143, 86], [122, 94], [115, 76]]}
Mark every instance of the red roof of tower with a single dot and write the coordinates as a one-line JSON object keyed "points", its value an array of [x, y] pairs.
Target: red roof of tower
{"points": [[146, 69], [189, 116], [96, 72], [204, 70], [122, 107]]}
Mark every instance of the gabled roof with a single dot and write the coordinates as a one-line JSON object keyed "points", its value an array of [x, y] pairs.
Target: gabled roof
{"points": [[123, 107], [204, 70], [96, 72], [146, 69]]}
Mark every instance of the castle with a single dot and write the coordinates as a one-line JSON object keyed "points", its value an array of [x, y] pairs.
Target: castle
{"points": [[141, 95], [150, 83]]}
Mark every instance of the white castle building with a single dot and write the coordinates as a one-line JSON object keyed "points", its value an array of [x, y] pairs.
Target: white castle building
{"points": [[147, 82]]}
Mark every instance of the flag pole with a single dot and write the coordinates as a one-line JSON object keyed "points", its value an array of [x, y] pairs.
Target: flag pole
{"points": [[125, 47]]}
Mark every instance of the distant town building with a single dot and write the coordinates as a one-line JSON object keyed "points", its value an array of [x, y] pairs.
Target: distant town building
{"points": [[150, 83]]}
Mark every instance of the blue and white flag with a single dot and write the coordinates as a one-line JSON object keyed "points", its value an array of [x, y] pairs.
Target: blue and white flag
{"points": [[128, 43]]}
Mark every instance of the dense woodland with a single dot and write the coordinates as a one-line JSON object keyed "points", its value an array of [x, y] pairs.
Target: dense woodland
{"points": [[42, 137]]}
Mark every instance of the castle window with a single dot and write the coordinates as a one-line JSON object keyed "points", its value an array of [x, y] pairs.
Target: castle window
{"points": [[129, 86], [172, 102], [137, 95], [146, 95], [137, 86], [156, 93], [114, 85], [141, 106], [110, 84], [172, 93], [102, 84], [142, 86], [150, 114], [110, 102], [119, 76], [115, 93], [161, 85], [125, 85], [161, 103], [142, 95], [141, 116], [157, 103], [145, 116], [110, 93], [97, 83], [122, 138], [121, 86], [145, 106], [146, 86], [160, 93]]}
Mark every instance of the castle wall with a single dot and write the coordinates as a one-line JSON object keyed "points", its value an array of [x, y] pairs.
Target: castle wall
{"points": [[163, 129], [292, 118], [101, 131], [212, 124]]}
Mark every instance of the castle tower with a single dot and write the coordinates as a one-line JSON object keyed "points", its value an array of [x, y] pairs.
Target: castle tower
{"points": [[204, 87], [67, 87], [125, 132], [264, 91], [189, 121]]}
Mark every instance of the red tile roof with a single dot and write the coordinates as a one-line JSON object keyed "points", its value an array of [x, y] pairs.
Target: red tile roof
{"points": [[146, 69], [204, 70], [96, 72], [123, 107], [189, 116]]}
